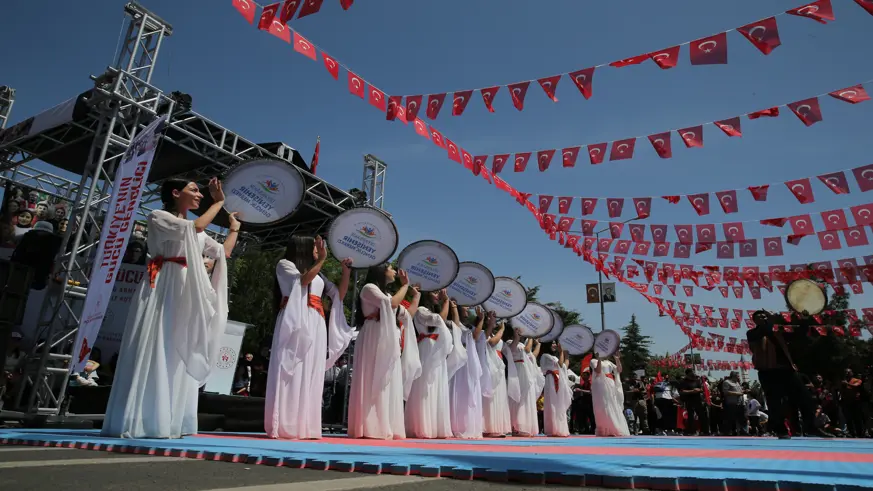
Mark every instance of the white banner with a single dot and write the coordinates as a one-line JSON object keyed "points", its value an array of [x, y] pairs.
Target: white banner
{"points": [[130, 179], [221, 377]]}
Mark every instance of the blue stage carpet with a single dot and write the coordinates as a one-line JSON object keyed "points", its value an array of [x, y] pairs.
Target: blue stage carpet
{"points": [[662, 463]]}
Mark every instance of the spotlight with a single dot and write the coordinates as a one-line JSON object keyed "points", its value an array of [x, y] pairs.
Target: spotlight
{"points": [[182, 103]]}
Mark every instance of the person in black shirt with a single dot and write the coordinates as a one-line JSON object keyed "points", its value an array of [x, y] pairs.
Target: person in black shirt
{"points": [[635, 400], [583, 405], [691, 394]]}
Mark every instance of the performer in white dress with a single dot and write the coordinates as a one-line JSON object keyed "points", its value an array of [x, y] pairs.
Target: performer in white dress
{"points": [[496, 406], [471, 381], [175, 323], [303, 339], [410, 362], [376, 397], [608, 397], [557, 393], [427, 408], [521, 384]]}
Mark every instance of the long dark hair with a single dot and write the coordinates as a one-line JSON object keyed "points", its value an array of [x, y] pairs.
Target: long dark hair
{"points": [[376, 276], [298, 251], [167, 189]]}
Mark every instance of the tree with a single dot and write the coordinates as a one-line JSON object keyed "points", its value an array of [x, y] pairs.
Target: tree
{"points": [[569, 317], [635, 353]]}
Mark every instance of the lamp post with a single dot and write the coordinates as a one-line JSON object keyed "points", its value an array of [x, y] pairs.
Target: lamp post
{"points": [[600, 274]]}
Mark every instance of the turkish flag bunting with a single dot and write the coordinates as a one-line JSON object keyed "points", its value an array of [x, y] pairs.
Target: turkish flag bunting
{"points": [[588, 205], [795, 239], [615, 229], [282, 32], [377, 99], [700, 202], [852, 95], [437, 138], [836, 181], [584, 80], [564, 203], [544, 159], [330, 64], [421, 128], [710, 50], [659, 232], [289, 8], [614, 206], [834, 219], [693, 137], [706, 232], [637, 232], [479, 164], [454, 153], [305, 48], [394, 103], [829, 241], [759, 193], [518, 91], [683, 232], [467, 159], [689, 291], [807, 110], [801, 225], [658, 289], [545, 203], [413, 105], [666, 58], [728, 201], [866, 5], [346, 4], [596, 152], [621, 247], [459, 102], [246, 8], [748, 248], [569, 156], [733, 231], [725, 250], [682, 251], [267, 16], [588, 227], [310, 7], [643, 207], [863, 214], [864, 177], [662, 249], [622, 149], [636, 60], [565, 223], [549, 85], [730, 127], [802, 190], [738, 291], [855, 236], [661, 142], [434, 104], [356, 85], [488, 97], [820, 11], [764, 113], [521, 161], [764, 34]]}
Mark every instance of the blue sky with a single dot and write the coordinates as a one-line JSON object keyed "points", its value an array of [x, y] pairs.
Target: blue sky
{"points": [[258, 86]]}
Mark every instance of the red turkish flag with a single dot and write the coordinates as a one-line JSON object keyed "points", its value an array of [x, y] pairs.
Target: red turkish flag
{"points": [[421, 128], [330, 64], [661, 143], [467, 159], [636, 60], [689, 291], [693, 137], [700, 202], [488, 97], [807, 110], [400, 110], [863, 214], [643, 207], [549, 85], [588, 205], [588, 227], [459, 101], [864, 177], [246, 8], [682, 251], [310, 7], [413, 105], [836, 182], [802, 190], [728, 201], [544, 159], [434, 104], [706, 232], [738, 291], [604, 244], [637, 232], [661, 249], [289, 8], [733, 231], [829, 241], [521, 161], [615, 229], [730, 127], [666, 58], [801, 225], [834, 219], [518, 91], [268, 14], [710, 50], [866, 5], [356, 85], [596, 153], [614, 206], [479, 163], [725, 250], [748, 248], [852, 95], [684, 233], [759, 193], [584, 80], [855, 236], [346, 4], [394, 103], [764, 34], [622, 149], [437, 137], [658, 289], [820, 11], [564, 203], [305, 48], [377, 99], [659, 232], [724, 291], [282, 32], [454, 152], [545, 203], [569, 156], [764, 113], [565, 223]]}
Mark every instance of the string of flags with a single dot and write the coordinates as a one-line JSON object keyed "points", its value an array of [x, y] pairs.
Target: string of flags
{"points": [[274, 16]]}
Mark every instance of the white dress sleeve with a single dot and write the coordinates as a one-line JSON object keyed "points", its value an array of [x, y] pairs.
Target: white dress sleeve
{"points": [[339, 332], [513, 386], [482, 348], [410, 360], [388, 348], [293, 340], [458, 356]]}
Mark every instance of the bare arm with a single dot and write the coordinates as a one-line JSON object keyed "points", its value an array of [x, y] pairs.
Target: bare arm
{"points": [[203, 221], [310, 274], [232, 234], [416, 298], [343, 287], [536, 350], [497, 337], [453, 308], [480, 323], [444, 310], [398, 297], [528, 345], [597, 366]]}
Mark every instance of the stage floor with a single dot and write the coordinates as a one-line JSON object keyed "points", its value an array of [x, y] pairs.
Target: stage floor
{"points": [[663, 463]]}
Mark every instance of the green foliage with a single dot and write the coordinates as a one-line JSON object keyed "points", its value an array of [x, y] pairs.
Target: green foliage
{"points": [[674, 372], [635, 353]]}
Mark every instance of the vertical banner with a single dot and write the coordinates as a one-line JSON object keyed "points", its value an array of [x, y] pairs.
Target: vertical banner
{"points": [[130, 179]]}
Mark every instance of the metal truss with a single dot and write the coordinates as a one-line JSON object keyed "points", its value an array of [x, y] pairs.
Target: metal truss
{"points": [[7, 99], [374, 181]]}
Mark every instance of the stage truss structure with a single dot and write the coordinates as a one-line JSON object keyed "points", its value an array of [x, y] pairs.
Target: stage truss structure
{"points": [[122, 103], [7, 99]]}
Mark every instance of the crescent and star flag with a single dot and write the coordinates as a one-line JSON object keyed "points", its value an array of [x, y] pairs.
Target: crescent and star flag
{"points": [[314, 164], [592, 293]]}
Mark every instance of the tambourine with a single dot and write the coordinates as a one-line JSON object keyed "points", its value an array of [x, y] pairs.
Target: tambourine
{"points": [[535, 321], [806, 296], [263, 191], [556, 331], [473, 285], [366, 235], [430, 264], [577, 339], [509, 298], [606, 343]]}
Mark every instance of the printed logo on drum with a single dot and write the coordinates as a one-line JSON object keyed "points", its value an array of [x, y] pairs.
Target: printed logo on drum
{"points": [[536, 316], [368, 231], [431, 261], [506, 293], [269, 186], [472, 280]]}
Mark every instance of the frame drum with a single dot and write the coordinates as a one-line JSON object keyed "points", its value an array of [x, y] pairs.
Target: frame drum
{"points": [[806, 296]]}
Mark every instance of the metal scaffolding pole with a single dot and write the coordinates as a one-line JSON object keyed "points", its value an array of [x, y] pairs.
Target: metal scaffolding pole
{"points": [[7, 99]]}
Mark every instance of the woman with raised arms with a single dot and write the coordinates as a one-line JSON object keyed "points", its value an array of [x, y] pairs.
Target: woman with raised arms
{"points": [[410, 362], [608, 397], [175, 324], [521, 384], [471, 381], [303, 339], [376, 398], [495, 407], [557, 393]]}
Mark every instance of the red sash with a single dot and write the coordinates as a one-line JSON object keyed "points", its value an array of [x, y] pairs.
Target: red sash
{"points": [[422, 337], [610, 376], [554, 374], [157, 263], [313, 301]]}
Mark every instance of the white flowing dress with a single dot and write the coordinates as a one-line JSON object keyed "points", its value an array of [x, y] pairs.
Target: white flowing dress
{"points": [[608, 398], [466, 388], [410, 362], [376, 396], [427, 407], [557, 397], [495, 406], [295, 379], [521, 384], [172, 337]]}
